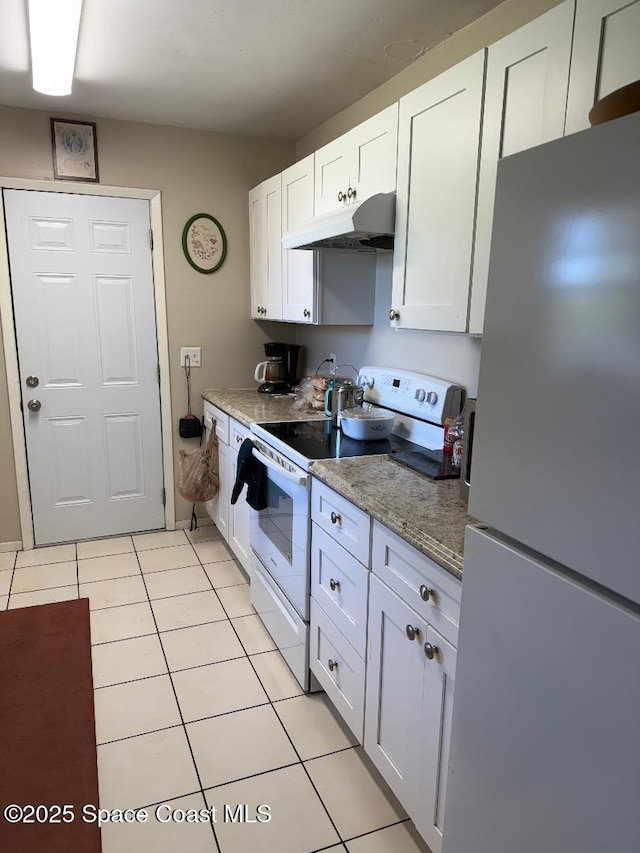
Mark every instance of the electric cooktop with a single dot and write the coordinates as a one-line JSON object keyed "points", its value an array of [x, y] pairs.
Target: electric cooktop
{"points": [[319, 440]]}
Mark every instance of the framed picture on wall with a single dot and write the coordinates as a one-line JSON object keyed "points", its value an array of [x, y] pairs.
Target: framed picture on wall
{"points": [[204, 243], [74, 148]]}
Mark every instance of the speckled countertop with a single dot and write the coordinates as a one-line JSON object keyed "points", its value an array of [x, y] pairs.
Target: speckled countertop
{"points": [[429, 515], [247, 406]]}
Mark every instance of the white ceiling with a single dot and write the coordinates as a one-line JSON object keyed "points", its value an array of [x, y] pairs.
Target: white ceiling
{"points": [[274, 68]]}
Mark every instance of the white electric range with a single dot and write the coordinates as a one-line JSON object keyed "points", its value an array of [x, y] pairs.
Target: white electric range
{"points": [[281, 533]]}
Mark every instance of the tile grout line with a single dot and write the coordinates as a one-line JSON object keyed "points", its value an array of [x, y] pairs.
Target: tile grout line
{"points": [[300, 761], [175, 694]]}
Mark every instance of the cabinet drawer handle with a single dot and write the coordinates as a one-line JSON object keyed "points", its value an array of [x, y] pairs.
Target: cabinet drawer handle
{"points": [[334, 585], [426, 593], [412, 632], [335, 517], [306, 312], [430, 651], [351, 193], [238, 439], [333, 664], [342, 196], [394, 315]]}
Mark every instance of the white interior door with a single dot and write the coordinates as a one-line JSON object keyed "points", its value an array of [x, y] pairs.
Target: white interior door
{"points": [[83, 296]]}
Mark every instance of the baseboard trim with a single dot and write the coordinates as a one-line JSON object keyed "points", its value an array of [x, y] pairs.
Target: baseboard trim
{"points": [[205, 521], [10, 546]]}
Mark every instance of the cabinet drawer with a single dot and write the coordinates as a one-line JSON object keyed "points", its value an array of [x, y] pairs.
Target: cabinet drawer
{"points": [[344, 683], [237, 433], [340, 584], [421, 583], [343, 521], [212, 414]]}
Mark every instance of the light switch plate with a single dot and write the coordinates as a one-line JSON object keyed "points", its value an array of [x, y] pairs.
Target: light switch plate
{"points": [[194, 353]]}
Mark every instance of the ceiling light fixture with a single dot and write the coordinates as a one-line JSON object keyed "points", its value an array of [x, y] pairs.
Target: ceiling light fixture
{"points": [[53, 27]]}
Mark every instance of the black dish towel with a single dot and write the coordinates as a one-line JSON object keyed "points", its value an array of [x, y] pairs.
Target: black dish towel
{"points": [[252, 473]]}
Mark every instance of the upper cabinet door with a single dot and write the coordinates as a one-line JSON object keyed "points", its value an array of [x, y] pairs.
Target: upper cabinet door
{"points": [[273, 237], [332, 168], [298, 290], [375, 155], [606, 55], [358, 164], [257, 246], [438, 146], [524, 105]]}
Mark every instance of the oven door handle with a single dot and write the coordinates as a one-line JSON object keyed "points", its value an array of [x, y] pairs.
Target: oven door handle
{"points": [[292, 476]]}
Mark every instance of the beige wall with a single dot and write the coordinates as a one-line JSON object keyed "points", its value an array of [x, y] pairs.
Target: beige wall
{"points": [[195, 171], [497, 23], [452, 356]]}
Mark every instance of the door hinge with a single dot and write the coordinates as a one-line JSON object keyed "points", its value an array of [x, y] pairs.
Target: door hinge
{"points": [[151, 238], [164, 497]]}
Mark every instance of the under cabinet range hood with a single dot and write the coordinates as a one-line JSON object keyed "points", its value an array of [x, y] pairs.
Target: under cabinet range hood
{"points": [[367, 226]]}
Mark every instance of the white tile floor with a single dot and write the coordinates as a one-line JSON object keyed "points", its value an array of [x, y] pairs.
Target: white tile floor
{"points": [[194, 707]]}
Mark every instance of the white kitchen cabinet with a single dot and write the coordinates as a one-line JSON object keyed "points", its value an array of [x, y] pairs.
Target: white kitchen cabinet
{"points": [[298, 269], [265, 234], [358, 164], [347, 524], [240, 512], [605, 56], [409, 696], [524, 105], [438, 147]]}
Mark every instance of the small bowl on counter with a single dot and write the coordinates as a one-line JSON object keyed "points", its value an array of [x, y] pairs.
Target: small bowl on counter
{"points": [[367, 423]]}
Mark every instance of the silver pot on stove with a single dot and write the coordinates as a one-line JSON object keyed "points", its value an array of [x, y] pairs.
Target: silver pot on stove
{"points": [[340, 395]]}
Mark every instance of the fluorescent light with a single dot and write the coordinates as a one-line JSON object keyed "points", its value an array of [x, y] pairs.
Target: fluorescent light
{"points": [[54, 28]]}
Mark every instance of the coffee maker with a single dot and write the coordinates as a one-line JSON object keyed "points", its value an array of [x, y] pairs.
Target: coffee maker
{"points": [[278, 374]]}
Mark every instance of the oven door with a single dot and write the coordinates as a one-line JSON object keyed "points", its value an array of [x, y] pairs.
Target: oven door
{"points": [[280, 533]]}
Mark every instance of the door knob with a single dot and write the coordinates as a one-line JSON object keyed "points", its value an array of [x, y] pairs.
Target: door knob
{"points": [[342, 196], [333, 664], [306, 312], [394, 315], [32, 381], [334, 585], [335, 518], [351, 193], [412, 632], [430, 651], [426, 593], [34, 405]]}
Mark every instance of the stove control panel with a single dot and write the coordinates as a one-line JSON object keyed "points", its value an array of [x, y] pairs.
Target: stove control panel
{"points": [[416, 394]]}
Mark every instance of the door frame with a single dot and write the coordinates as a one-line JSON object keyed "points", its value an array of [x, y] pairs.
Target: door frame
{"points": [[11, 347]]}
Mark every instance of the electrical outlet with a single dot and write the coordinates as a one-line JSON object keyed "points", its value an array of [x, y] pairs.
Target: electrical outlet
{"points": [[334, 361], [194, 354]]}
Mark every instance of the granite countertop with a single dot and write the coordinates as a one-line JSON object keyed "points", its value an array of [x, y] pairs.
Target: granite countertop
{"points": [[428, 514], [247, 406]]}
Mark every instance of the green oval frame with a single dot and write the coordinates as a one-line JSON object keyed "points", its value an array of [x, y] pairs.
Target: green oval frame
{"points": [[185, 248]]}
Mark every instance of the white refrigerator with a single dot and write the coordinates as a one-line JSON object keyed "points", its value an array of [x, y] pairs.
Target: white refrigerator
{"points": [[545, 747]]}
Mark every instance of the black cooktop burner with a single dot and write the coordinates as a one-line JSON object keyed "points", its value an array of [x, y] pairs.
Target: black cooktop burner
{"points": [[319, 440]]}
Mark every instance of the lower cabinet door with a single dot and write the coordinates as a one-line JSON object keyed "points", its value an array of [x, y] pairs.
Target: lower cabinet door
{"points": [[338, 668], [395, 680], [410, 678], [440, 669], [221, 505]]}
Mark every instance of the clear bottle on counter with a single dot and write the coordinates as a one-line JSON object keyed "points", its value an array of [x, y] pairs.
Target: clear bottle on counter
{"points": [[455, 436]]}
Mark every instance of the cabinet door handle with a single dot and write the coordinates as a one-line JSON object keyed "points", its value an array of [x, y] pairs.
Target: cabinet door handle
{"points": [[430, 651], [332, 664], [394, 315], [335, 518], [306, 312], [351, 193], [412, 632], [426, 593], [334, 584], [342, 196], [238, 439]]}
